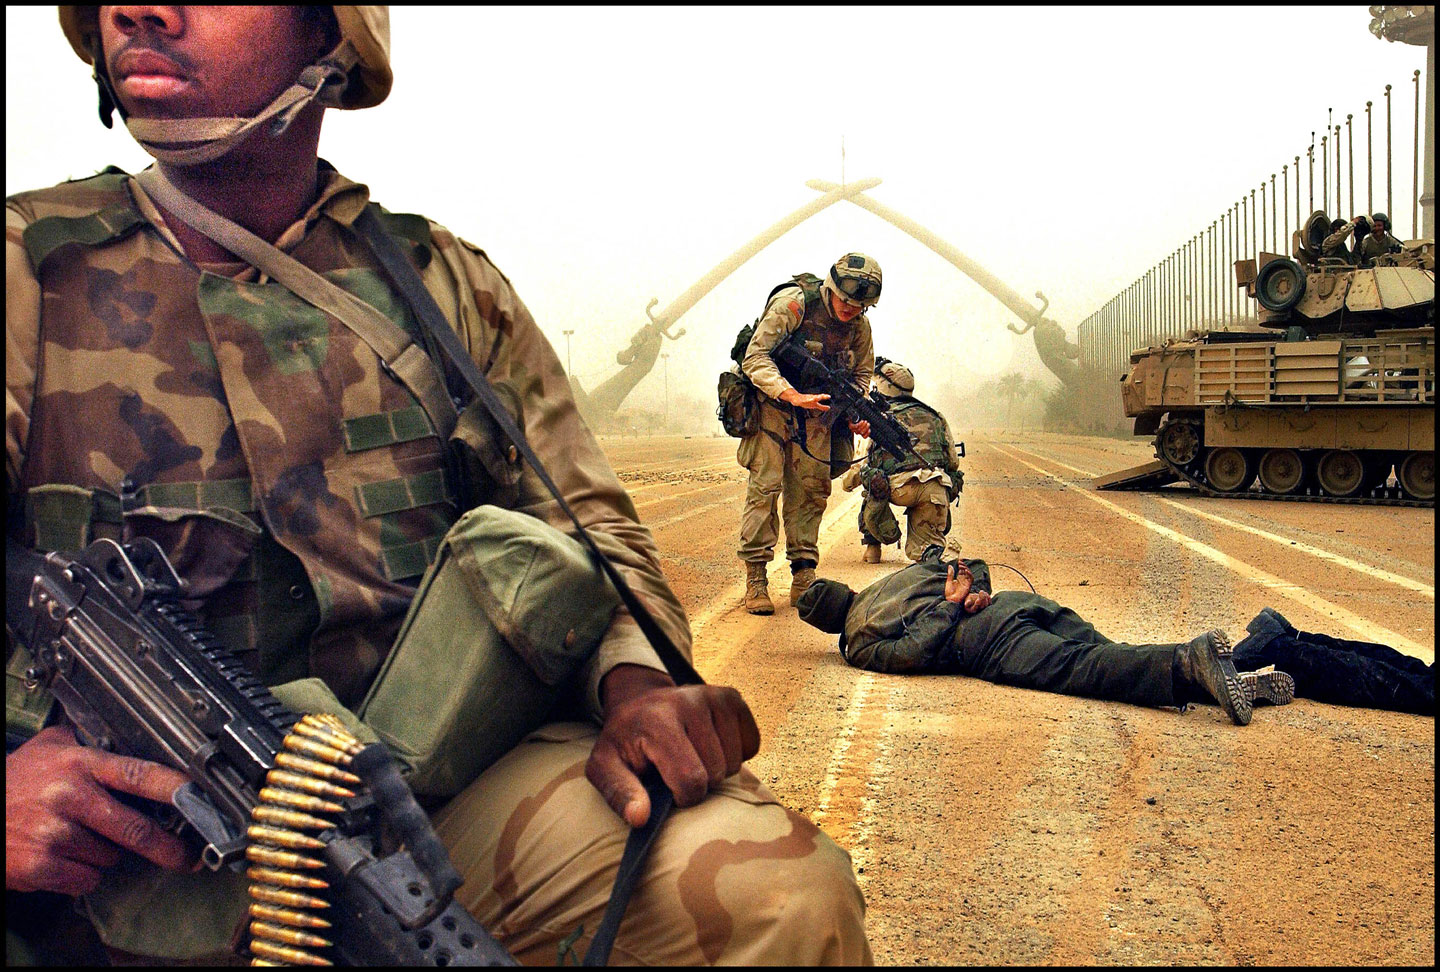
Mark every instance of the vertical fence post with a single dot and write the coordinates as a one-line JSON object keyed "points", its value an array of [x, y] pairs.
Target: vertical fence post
{"points": [[1415, 173], [1338, 211], [1285, 182], [1350, 148], [1369, 161], [1325, 172], [1389, 202], [1311, 156]]}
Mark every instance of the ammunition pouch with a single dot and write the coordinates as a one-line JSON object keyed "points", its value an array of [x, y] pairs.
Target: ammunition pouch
{"points": [[508, 612], [484, 464], [739, 408]]}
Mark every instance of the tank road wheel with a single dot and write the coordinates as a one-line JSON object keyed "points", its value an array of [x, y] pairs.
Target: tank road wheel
{"points": [[1179, 443], [1229, 470], [1282, 471], [1340, 473], [1417, 475]]}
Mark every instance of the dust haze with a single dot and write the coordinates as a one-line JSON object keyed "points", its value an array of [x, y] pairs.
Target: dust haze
{"points": [[603, 157]]}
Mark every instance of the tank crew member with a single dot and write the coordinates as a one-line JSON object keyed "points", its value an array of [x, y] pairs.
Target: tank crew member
{"points": [[1340, 232], [938, 617], [831, 320], [924, 491], [156, 387], [1377, 241]]}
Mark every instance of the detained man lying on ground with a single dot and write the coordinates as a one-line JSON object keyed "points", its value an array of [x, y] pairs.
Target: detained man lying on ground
{"points": [[936, 617]]}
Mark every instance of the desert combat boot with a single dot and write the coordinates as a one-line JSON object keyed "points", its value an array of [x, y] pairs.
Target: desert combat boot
{"points": [[872, 553], [800, 580], [757, 589]]}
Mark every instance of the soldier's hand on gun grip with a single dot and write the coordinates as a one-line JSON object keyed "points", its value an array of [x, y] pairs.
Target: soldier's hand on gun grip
{"points": [[861, 428], [957, 583], [62, 825], [694, 735]]}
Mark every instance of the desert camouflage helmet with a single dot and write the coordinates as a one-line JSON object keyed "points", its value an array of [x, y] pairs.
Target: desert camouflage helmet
{"points": [[354, 75], [855, 279], [893, 379]]}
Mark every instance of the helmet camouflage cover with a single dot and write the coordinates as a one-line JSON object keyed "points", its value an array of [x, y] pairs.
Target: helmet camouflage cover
{"points": [[855, 279], [893, 379]]}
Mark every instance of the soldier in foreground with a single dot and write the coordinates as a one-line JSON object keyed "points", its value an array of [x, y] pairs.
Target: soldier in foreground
{"points": [[938, 617], [924, 491], [296, 479], [829, 316]]}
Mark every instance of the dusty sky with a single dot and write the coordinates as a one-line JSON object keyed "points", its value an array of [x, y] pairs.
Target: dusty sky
{"points": [[603, 157]]}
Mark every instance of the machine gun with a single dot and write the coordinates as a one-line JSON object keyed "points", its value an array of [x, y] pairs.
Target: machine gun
{"points": [[804, 370], [139, 675]]}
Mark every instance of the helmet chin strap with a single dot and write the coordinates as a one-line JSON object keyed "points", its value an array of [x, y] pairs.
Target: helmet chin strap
{"points": [[192, 141]]}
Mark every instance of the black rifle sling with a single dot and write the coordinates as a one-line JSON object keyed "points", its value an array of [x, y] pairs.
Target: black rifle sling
{"points": [[432, 319]]}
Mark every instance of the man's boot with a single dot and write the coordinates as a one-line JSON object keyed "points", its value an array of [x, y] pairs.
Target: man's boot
{"points": [[1204, 672], [1268, 685], [802, 575], [872, 553], [757, 589]]}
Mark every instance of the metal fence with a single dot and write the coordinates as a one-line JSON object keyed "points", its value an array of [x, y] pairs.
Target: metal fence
{"points": [[1194, 286]]}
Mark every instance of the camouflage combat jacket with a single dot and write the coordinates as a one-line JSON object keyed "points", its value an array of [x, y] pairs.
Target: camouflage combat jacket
{"points": [[902, 622], [298, 487], [839, 345], [1370, 247], [932, 441]]}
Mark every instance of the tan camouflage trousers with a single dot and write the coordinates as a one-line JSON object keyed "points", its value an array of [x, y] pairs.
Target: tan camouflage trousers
{"points": [[736, 880], [927, 515], [781, 473]]}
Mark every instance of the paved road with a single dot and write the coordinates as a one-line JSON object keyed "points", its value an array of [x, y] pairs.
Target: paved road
{"points": [[998, 825]]}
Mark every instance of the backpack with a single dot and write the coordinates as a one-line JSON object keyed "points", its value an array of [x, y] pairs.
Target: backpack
{"points": [[739, 408]]}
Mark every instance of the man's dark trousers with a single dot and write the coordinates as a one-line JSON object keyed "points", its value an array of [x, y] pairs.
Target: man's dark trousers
{"points": [[1031, 641]]}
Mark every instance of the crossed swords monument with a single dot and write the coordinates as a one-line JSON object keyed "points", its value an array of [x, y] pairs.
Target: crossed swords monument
{"points": [[1058, 353]]}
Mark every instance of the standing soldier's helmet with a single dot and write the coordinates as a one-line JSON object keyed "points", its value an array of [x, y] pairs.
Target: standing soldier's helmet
{"points": [[855, 279], [356, 74], [1381, 219], [892, 379]]}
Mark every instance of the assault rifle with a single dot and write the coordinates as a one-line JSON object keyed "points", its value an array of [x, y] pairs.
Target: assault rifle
{"points": [[804, 370], [141, 676]]}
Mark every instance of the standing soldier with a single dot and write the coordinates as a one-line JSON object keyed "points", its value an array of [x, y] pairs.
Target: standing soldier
{"points": [[925, 491], [830, 317], [158, 385]]}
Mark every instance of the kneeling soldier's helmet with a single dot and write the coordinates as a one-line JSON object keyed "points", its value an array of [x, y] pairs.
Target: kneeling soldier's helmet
{"points": [[855, 279], [893, 379]]}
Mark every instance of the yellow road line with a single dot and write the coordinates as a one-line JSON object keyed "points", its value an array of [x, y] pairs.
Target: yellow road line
{"points": [[859, 695], [1369, 630], [1425, 590]]}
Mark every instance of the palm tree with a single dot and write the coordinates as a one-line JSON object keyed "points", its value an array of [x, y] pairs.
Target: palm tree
{"points": [[1011, 387]]}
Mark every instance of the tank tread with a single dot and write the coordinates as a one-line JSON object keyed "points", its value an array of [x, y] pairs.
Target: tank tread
{"points": [[1383, 496]]}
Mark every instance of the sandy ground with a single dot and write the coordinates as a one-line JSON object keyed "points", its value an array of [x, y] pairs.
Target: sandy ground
{"points": [[998, 825]]}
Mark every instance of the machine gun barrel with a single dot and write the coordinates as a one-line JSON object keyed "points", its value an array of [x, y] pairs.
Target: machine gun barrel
{"points": [[139, 675]]}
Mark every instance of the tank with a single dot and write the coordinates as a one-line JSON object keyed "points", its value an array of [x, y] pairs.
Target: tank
{"points": [[1330, 398]]}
